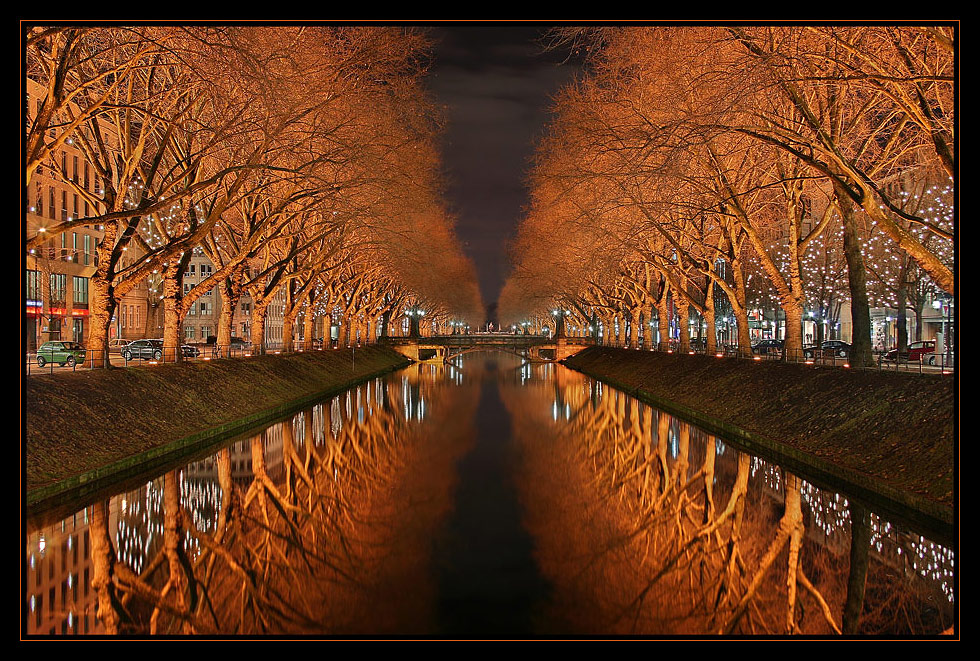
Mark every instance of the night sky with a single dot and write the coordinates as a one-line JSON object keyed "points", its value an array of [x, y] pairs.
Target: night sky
{"points": [[496, 83]]}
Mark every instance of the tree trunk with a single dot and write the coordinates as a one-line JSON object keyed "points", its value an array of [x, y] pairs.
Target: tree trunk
{"points": [[647, 328], [230, 296], [309, 327], [173, 317], [793, 345], [109, 609], [857, 575], [288, 331], [711, 341], [860, 354], [663, 324], [684, 323], [102, 300], [259, 311]]}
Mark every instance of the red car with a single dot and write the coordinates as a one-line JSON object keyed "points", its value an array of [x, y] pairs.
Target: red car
{"points": [[924, 351]]}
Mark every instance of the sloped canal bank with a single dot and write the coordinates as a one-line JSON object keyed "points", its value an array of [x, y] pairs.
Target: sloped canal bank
{"points": [[85, 428]]}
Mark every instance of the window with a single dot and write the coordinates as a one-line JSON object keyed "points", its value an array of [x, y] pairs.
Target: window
{"points": [[136, 317], [58, 286], [33, 286], [86, 176], [205, 270], [64, 205], [79, 286], [188, 332], [122, 316], [207, 307], [51, 202]]}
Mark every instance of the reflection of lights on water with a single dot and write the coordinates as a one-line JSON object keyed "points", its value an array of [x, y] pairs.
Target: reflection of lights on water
{"points": [[829, 511]]}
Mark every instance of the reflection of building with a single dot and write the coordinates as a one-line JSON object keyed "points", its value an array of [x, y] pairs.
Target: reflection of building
{"points": [[57, 274], [58, 578]]}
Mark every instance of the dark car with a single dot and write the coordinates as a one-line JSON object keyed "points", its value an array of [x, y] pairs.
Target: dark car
{"points": [[143, 349], [61, 352], [768, 347], [924, 350], [189, 351], [239, 344], [830, 348]]}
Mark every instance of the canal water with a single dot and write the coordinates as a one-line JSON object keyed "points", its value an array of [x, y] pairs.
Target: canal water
{"points": [[491, 499]]}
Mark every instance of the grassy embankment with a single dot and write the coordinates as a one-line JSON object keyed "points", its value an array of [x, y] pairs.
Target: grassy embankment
{"points": [[892, 435], [86, 427]]}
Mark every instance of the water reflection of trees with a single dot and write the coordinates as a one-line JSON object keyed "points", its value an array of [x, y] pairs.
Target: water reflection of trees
{"points": [[305, 540], [711, 540]]}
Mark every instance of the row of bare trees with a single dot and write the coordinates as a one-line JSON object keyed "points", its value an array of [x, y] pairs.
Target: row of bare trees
{"points": [[799, 166], [300, 160]]}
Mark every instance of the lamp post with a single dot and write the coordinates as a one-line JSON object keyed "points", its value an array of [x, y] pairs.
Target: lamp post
{"points": [[944, 303], [559, 316], [414, 315]]}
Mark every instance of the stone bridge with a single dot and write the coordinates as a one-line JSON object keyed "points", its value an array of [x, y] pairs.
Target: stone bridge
{"points": [[444, 348]]}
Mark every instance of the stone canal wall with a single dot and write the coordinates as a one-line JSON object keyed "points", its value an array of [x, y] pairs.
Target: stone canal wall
{"points": [[85, 428], [890, 436]]}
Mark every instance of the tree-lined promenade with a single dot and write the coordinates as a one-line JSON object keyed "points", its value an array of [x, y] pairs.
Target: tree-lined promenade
{"points": [[801, 168], [301, 160]]}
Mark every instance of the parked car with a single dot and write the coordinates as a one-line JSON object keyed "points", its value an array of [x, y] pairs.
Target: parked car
{"points": [[189, 351], [768, 347], [116, 344], [61, 352], [830, 348], [143, 349], [924, 350]]}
